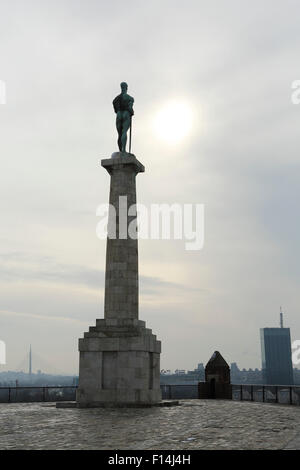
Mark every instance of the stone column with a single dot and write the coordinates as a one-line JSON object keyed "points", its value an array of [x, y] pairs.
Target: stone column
{"points": [[121, 277], [120, 357]]}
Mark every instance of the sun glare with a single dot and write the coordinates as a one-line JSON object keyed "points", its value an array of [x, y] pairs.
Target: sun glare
{"points": [[173, 122]]}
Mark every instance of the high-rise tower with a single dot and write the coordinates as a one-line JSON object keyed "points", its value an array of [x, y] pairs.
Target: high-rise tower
{"points": [[277, 367], [30, 362]]}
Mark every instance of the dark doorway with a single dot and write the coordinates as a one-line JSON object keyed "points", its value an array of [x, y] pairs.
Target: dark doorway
{"points": [[212, 388]]}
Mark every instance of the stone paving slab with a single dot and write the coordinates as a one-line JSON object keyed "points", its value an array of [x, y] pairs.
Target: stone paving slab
{"points": [[196, 424]]}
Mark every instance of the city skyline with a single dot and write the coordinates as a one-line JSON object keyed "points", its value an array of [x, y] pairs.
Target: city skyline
{"points": [[49, 368]]}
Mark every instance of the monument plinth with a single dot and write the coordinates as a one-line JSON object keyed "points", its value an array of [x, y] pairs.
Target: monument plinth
{"points": [[120, 357]]}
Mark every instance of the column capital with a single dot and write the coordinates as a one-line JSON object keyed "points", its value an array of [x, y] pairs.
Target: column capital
{"points": [[120, 160]]}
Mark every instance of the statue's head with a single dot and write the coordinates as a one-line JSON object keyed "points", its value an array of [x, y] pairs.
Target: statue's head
{"points": [[124, 87]]}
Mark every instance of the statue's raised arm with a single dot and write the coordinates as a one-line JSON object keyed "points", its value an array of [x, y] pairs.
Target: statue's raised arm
{"points": [[123, 106]]}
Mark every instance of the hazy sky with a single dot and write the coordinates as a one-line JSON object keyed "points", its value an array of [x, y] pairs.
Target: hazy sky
{"points": [[234, 63]]}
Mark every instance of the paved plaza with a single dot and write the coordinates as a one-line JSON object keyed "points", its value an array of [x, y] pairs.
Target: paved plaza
{"points": [[196, 424]]}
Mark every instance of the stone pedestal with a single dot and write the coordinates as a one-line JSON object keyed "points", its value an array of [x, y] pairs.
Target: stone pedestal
{"points": [[120, 357]]}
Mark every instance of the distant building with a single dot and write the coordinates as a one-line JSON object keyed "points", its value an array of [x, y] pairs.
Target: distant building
{"points": [[180, 372], [180, 376], [244, 376], [276, 355], [23, 379]]}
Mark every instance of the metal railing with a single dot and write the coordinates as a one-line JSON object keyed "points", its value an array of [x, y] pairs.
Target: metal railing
{"points": [[68, 393], [37, 394], [282, 394], [179, 391]]}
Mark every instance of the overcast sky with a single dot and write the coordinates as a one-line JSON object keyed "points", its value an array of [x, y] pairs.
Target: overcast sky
{"points": [[234, 63]]}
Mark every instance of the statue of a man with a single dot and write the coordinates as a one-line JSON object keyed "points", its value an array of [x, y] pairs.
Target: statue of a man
{"points": [[123, 108]]}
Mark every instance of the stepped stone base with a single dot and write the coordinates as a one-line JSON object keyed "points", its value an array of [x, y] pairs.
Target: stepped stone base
{"points": [[119, 365]]}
